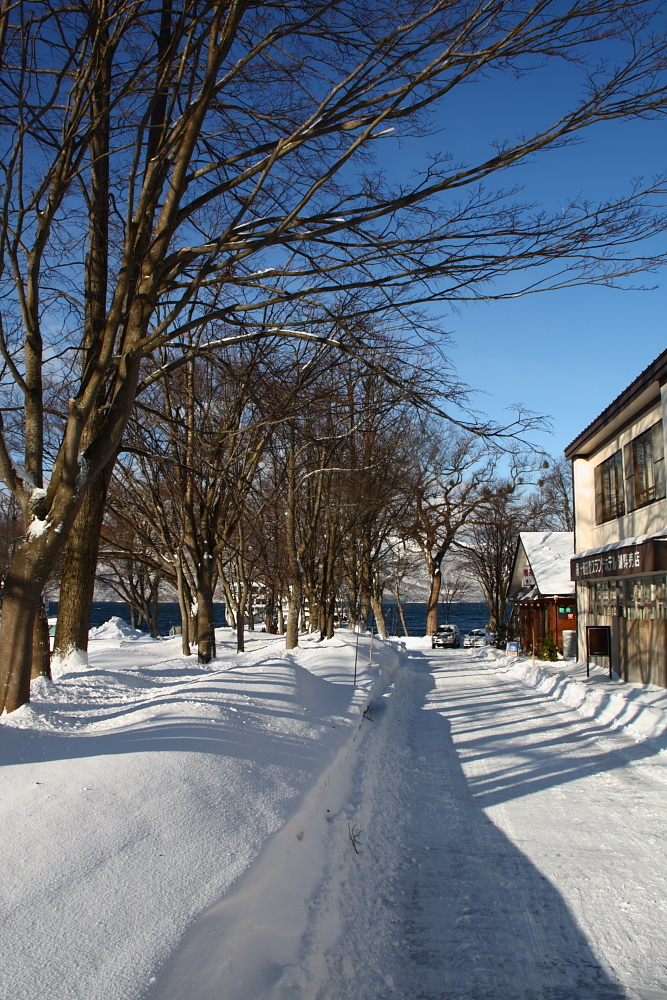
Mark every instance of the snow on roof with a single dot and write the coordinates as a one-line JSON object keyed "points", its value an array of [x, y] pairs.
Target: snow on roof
{"points": [[623, 543], [549, 554]]}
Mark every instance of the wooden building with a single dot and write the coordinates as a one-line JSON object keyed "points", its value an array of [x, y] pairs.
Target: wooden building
{"points": [[541, 590], [620, 502]]}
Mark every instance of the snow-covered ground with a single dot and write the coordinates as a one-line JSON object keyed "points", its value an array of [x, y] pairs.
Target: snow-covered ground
{"points": [[485, 830]]}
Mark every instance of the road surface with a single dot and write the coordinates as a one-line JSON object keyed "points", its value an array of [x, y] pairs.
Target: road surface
{"points": [[508, 849]]}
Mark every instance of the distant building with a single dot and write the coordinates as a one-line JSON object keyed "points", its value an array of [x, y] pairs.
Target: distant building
{"points": [[620, 562], [541, 590]]}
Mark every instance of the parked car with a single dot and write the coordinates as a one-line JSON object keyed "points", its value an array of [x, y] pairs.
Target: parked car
{"points": [[447, 637], [478, 637]]}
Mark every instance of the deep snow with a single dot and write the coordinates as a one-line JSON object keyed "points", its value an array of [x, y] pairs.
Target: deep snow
{"points": [[177, 831], [137, 792]]}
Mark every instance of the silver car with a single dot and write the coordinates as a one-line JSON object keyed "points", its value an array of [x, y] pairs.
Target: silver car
{"points": [[477, 637]]}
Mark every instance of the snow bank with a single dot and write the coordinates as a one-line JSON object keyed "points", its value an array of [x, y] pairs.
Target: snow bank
{"points": [[641, 709], [115, 630], [155, 809]]}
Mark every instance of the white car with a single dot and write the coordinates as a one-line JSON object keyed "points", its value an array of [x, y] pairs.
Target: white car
{"points": [[477, 637]]}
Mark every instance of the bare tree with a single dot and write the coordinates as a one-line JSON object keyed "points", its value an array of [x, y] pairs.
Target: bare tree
{"points": [[488, 543], [168, 166], [455, 586], [553, 505], [454, 480]]}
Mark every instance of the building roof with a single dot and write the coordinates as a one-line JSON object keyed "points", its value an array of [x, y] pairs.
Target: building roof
{"points": [[622, 543], [629, 403], [549, 554]]}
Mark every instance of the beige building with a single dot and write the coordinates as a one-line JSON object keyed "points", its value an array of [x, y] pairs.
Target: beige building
{"points": [[620, 560]]}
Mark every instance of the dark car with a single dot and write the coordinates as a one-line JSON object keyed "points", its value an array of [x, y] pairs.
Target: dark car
{"points": [[447, 636]]}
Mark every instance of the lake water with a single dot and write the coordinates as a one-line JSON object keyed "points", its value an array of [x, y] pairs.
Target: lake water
{"points": [[467, 615]]}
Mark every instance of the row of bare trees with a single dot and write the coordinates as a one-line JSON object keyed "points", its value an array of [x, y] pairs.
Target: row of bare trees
{"points": [[302, 475], [179, 173]]}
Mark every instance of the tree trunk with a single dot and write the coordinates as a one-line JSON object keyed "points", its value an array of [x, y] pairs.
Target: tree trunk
{"points": [[270, 610], [22, 596], [41, 652], [205, 629], [184, 604], [281, 618], [292, 634], [240, 616], [77, 584], [331, 616], [376, 603], [154, 608], [231, 604], [364, 609], [432, 605], [399, 605]]}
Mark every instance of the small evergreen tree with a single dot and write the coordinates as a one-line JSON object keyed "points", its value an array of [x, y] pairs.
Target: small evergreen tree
{"points": [[548, 649]]}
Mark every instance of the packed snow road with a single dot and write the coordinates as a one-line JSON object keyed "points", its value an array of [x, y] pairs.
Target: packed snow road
{"points": [[508, 848]]}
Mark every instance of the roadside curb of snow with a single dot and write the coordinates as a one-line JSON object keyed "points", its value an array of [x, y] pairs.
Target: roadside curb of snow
{"points": [[250, 941], [614, 704]]}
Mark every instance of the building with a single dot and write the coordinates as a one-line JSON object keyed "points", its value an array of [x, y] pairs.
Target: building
{"points": [[620, 561], [541, 590]]}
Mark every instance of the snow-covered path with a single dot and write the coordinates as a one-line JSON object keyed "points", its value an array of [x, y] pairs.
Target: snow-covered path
{"points": [[511, 849]]}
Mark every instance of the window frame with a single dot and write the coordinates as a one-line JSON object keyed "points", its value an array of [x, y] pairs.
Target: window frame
{"points": [[609, 503]]}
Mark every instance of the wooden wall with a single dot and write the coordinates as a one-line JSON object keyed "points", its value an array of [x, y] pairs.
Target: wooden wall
{"points": [[542, 617], [638, 648]]}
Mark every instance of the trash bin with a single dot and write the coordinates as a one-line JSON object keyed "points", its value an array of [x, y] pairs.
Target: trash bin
{"points": [[569, 644]]}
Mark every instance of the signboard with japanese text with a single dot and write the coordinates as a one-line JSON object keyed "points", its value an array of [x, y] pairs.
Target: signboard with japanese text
{"points": [[648, 557]]}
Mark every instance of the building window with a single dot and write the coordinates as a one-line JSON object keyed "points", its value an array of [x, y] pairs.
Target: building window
{"points": [[644, 468], [609, 500], [642, 453], [639, 598]]}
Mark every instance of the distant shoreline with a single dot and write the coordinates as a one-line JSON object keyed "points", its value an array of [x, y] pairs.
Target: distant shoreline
{"points": [[467, 615]]}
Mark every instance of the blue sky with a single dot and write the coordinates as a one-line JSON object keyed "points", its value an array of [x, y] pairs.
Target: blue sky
{"points": [[566, 354]]}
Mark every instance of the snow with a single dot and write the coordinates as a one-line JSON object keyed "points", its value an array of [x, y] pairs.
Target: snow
{"points": [[513, 850], [138, 792], [460, 825], [37, 527], [639, 708], [72, 661], [115, 630], [622, 543], [549, 554]]}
